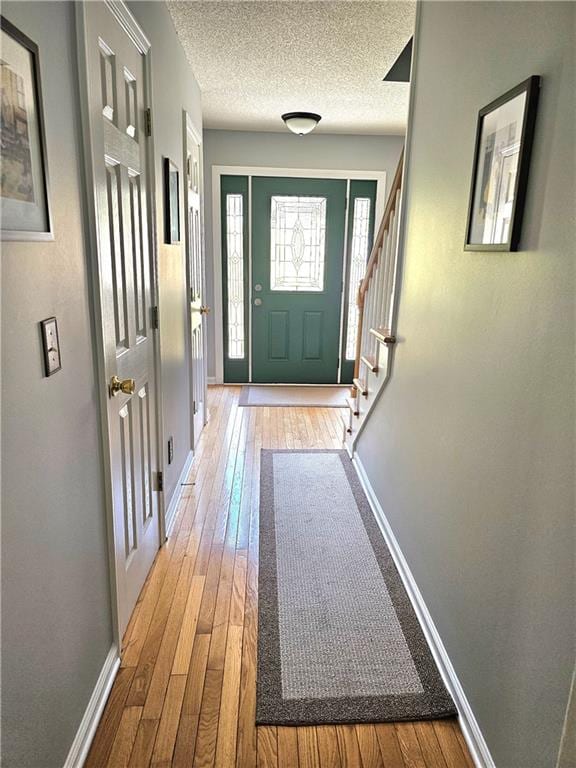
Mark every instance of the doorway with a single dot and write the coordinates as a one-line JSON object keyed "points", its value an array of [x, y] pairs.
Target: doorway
{"points": [[292, 250], [297, 250]]}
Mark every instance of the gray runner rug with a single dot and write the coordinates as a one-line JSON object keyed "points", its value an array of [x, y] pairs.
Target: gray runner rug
{"points": [[338, 639], [294, 396]]}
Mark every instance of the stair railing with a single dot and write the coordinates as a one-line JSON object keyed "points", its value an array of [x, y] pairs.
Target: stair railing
{"points": [[375, 293]]}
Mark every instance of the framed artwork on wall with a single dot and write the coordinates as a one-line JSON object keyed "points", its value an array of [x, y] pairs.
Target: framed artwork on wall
{"points": [[171, 202], [504, 137], [24, 200]]}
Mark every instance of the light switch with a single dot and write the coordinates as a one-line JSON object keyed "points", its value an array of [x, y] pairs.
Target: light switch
{"points": [[51, 346]]}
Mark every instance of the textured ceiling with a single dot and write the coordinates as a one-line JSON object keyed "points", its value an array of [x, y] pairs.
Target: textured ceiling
{"points": [[255, 60]]}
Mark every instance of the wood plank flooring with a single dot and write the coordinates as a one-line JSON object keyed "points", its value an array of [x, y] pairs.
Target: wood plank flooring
{"points": [[185, 694]]}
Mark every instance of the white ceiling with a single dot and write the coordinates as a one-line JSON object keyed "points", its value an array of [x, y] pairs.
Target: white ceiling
{"points": [[255, 60]]}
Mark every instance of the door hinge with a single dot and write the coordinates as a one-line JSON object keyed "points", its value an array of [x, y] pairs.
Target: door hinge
{"points": [[160, 481], [154, 322], [148, 122]]}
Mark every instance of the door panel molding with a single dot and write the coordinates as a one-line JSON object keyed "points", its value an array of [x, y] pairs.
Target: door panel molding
{"points": [[312, 334], [249, 171]]}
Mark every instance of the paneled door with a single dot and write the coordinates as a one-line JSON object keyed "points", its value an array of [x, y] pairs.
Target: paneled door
{"points": [[195, 261], [297, 251], [116, 72]]}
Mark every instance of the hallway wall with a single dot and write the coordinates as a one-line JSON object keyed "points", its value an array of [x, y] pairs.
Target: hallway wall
{"points": [[56, 621], [471, 448], [285, 150]]}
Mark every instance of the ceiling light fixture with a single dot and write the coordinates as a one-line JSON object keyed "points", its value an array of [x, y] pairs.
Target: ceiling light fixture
{"points": [[301, 122]]}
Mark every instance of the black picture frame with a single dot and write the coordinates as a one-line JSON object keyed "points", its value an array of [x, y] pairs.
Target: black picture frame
{"points": [[515, 192], [14, 222], [50, 346], [171, 202]]}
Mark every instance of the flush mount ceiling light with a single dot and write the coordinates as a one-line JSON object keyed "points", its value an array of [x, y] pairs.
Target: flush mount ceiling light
{"points": [[301, 122]]}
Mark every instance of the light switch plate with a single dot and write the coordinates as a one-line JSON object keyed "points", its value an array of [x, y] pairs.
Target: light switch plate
{"points": [[51, 346]]}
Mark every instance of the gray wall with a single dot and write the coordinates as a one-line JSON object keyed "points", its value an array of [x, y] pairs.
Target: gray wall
{"points": [[471, 447], [56, 626], [174, 89], [285, 150]]}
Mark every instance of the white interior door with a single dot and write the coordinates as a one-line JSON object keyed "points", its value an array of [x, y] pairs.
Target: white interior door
{"points": [[195, 260], [116, 119]]}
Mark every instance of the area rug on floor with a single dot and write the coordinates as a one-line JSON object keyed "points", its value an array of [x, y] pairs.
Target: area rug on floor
{"points": [[338, 639], [297, 396]]}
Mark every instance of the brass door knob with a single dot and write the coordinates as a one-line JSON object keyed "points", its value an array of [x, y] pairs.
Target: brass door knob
{"points": [[126, 386], [204, 310]]}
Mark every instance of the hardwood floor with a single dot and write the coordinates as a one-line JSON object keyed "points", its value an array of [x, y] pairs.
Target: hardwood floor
{"points": [[185, 694]]}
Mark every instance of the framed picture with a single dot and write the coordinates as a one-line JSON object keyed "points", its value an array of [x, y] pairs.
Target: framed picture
{"points": [[171, 202], [50, 346], [500, 173], [24, 200]]}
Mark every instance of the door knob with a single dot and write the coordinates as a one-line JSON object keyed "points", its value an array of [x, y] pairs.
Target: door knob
{"points": [[257, 302], [126, 386], [204, 310]]}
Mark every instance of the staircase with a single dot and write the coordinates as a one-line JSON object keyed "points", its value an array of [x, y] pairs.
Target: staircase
{"points": [[375, 302]]}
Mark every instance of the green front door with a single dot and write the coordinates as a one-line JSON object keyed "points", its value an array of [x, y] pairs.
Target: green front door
{"points": [[297, 251]]}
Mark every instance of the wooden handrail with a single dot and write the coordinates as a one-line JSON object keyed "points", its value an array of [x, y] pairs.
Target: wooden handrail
{"points": [[373, 259], [384, 227]]}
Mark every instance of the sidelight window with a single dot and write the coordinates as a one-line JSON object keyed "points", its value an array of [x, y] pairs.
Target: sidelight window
{"points": [[235, 275], [358, 257]]}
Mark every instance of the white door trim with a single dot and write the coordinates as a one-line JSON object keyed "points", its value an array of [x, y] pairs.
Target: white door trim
{"points": [[129, 24], [188, 127], [343, 291], [250, 171], [124, 17]]}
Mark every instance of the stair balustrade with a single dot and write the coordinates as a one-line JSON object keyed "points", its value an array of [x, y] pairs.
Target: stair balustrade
{"points": [[375, 303]]}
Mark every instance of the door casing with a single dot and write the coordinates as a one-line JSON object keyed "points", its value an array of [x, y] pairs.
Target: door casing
{"points": [[233, 170], [129, 24], [189, 129]]}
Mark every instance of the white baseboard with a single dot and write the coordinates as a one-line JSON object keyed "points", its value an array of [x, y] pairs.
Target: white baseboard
{"points": [[211, 380], [468, 723], [173, 506], [83, 739], [568, 739]]}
